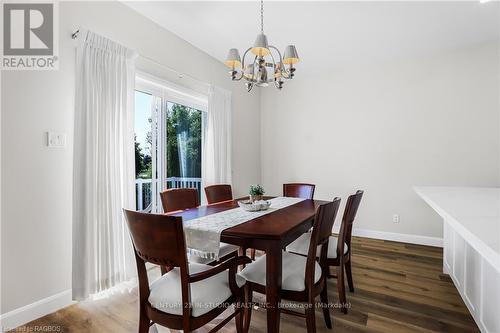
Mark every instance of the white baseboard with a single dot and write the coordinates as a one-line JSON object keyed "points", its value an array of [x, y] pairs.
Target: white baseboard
{"points": [[396, 237], [27, 313]]}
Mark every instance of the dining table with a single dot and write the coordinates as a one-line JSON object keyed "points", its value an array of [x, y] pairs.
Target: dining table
{"points": [[270, 233]]}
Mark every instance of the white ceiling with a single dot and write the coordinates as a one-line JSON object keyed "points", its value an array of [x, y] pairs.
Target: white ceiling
{"points": [[329, 33]]}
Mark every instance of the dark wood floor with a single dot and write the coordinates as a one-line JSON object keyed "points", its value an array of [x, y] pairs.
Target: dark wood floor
{"points": [[399, 288]]}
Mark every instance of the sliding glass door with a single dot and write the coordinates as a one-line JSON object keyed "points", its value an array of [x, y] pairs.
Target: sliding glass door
{"points": [[168, 132], [184, 126]]}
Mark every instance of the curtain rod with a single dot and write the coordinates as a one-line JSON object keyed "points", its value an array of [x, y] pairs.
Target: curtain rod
{"points": [[180, 75]]}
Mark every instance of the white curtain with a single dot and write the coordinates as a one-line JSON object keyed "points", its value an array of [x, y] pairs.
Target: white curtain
{"points": [[216, 152], [103, 177]]}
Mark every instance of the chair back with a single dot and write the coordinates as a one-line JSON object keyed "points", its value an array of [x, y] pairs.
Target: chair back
{"points": [[299, 190], [218, 193], [179, 199], [322, 230], [158, 239], [345, 233]]}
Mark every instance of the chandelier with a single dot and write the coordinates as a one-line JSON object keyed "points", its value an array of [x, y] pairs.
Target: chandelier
{"points": [[266, 67]]}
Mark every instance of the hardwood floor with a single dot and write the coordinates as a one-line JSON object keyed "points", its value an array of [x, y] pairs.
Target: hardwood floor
{"points": [[398, 288]]}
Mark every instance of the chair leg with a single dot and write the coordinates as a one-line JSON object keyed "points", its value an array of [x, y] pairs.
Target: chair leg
{"points": [[238, 319], [248, 308], [311, 317], [252, 254], [341, 287], [242, 252], [349, 276], [143, 322], [325, 303]]}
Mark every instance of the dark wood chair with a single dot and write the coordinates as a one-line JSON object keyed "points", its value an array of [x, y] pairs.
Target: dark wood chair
{"points": [[218, 193], [175, 199], [303, 278], [185, 198], [190, 295], [295, 190], [299, 190], [339, 251]]}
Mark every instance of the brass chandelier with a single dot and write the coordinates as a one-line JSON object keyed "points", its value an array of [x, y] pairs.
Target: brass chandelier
{"points": [[266, 67]]}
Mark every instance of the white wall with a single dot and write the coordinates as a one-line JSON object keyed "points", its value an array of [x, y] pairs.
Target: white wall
{"points": [[36, 181], [384, 129]]}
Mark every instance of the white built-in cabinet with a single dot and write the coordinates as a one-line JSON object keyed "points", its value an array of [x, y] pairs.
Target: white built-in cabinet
{"points": [[476, 279], [471, 241]]}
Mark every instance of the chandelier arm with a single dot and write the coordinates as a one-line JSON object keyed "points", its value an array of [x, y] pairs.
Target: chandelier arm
{"points": [[242, 73], [277, 83], [243, 65], [254, 79], [276, 49], [243, 59], [282, 65], [238, 79], [274, 63], [272, 58]]}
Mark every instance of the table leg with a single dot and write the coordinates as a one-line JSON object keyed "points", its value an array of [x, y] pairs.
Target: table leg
{"points": [[242, 252], [273, 287]]}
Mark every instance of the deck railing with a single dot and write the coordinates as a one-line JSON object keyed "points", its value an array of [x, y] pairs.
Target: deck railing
{"points": [[143, 188]]}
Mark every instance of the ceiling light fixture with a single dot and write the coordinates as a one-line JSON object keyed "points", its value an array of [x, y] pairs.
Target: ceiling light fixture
{"points": [[266, 66]]}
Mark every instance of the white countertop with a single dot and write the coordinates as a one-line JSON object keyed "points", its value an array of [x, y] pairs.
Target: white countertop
{"points": [[474, 212]]}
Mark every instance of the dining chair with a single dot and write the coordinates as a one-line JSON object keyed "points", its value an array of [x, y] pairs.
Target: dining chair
{"points": [[337, 246], [218, 193], [175, 199], [191, 294], [303, 278], [299, 190]]}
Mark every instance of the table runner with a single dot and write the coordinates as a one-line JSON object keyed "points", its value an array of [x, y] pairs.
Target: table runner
{"points": [[203, 233]]}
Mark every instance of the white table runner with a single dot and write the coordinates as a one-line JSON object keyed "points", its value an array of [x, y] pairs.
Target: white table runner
{"points": [[203, 233]]}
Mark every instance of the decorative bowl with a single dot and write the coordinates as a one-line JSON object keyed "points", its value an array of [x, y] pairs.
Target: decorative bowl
{"points": [[254, 206]]}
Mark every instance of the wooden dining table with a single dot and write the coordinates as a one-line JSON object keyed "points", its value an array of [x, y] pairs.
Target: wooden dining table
{"points": [[270, 233]]}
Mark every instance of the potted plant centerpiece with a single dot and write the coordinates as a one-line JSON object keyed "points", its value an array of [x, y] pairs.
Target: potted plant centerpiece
{"points": [[256, 202], [256, 192]]}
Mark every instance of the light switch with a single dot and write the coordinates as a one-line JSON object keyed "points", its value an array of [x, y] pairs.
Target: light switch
{"points": [[56, 140]]}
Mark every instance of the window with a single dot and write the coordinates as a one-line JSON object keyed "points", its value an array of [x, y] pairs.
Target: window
{"points": [[168, 140]]}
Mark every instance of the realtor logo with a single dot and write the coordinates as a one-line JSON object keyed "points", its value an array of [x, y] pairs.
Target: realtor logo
{"points": [[29, 40]]}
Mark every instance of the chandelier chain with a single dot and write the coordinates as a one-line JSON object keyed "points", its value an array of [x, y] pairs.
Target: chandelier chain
{"points": [[262, 16]]}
